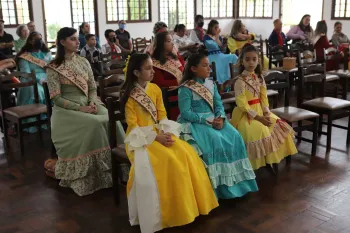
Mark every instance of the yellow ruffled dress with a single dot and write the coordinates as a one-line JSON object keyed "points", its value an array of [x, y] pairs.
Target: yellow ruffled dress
{"points": [[265, 145], [181, 189]]}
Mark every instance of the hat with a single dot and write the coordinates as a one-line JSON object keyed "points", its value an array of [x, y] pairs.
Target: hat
{"points": [[1, 20]]}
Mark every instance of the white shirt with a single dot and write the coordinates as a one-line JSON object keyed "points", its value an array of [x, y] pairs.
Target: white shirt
{"points": [[182, 42], [106, 48]]}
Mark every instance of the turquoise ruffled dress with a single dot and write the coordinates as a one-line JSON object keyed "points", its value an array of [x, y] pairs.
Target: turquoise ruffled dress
{"points": [[26, 94], [223, 151]]}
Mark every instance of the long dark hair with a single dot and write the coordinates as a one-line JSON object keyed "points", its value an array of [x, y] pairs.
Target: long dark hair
{"points": [[81, 27], [193, 60], [158, 48], [62, 34], [28, 47], [136, 61], [302, 26], [211, 25], [249, 48], [321, 27]]}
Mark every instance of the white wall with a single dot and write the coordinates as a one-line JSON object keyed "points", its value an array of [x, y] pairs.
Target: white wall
{"points": [[259, 26]]}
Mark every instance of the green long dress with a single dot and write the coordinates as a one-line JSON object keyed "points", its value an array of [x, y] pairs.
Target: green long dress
{"points": [[81, 139]]}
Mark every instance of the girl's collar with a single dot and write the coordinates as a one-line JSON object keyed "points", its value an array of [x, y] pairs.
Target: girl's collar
{"points": [[139, 86]]}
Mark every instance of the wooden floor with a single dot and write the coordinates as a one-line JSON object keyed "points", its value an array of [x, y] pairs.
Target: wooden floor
{"points": [[307, 197]]}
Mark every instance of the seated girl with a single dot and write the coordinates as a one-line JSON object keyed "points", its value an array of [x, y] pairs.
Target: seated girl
{"points": [[79, 122], [168, 184], [34, 55], [268, 139], [214, 43], [185, 45], [206, 128], [168, 66], [239, 37]]}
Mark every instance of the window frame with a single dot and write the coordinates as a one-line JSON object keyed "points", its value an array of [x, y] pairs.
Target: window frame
{"points": [[31, 15], [333, 11], [128, 20], [95, 15], [234, 13], [247, 17], [177, 6]]}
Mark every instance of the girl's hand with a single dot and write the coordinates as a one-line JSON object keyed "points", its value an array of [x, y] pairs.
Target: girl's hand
{"points": [[86, 109], [218, 123], [165, 139], [93, 107], [264, 120]]}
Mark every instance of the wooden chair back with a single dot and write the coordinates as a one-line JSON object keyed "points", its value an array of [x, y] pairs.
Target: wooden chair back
{"points": [[47, 100], [168, 101], [279, 81], [140, 44], [110, 84], [114, 114]]}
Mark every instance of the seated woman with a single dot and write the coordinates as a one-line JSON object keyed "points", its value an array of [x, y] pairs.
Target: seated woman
{"points": [[339, 39], [302, 31], [168, 66], [268, 139], [184, 44], [168, 185], [206, 128], [320, 42], [240, 36], [214, 43], [34, 55], [22, 32], [79, 122]]}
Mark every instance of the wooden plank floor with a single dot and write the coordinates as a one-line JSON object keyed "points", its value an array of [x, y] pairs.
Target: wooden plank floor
{"points": [[306, 197]]}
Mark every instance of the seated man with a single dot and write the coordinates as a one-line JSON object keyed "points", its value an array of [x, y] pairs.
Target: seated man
{"points": [[112, 43], [6, 40]]}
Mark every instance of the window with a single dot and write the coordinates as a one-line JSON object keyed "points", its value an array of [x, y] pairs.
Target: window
{"points": [[213, 9], [83, 11], [130, 10], [15, 12], [341, 9], [255, 8], [174, 12]]}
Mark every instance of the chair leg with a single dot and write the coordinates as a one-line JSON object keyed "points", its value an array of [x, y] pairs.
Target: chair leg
{"points": [[6, 135], [288, 159], [115, 179], [320, 124], [20, 134], [314, 136], [300, 133], [329, 131], [38, 126], [348, 133], [275, 168]]}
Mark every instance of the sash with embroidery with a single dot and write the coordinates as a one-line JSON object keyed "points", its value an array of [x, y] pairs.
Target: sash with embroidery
{"points": [[79, 81], [169, 67], [202, 91], [145, 101], [34, 60], [254, 84]]}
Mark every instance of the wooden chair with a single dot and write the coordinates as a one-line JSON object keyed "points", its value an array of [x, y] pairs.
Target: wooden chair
{"points": [[110, 87], [49, 106], [108, 57], [108, 68], [280, 82], [118, 153], [140, 44], [16, 115]]}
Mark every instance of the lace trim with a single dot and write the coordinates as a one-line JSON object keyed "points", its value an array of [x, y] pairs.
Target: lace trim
{"points": [[272, 143]]}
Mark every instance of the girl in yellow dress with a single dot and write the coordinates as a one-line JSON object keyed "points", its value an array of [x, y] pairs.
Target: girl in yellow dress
{"points": [[268, 139], [168, 184]]}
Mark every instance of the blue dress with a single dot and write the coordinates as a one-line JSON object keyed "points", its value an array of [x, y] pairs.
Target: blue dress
{"points": [[26, 94], [223, 151], [221, 60]]}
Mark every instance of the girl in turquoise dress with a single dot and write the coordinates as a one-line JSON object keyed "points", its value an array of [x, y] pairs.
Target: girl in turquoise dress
{"points": [[214, 43], [33, 56], [206, 128]]}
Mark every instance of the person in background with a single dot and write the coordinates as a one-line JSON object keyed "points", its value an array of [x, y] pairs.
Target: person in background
{"points": [[215, 45], [111, 45], [168, 66], [302, 31], [123, 37], [158, 27], [239, 36], [339, 39], [31, 26], [34, 56], [185, 45], [84, 29], [197, 34], [79, 121], [6, 40], [22, 32], [277, 37], [91, 53]]}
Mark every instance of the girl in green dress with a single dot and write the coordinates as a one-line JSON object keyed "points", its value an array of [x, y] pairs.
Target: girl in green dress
{"points": [[79, 122]]}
